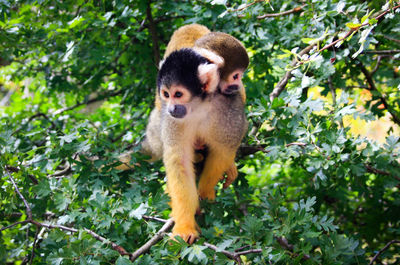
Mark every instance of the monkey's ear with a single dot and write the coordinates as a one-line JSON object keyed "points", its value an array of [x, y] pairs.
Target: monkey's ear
{"points": [[211, 56], [160, 64], [209, 77]]}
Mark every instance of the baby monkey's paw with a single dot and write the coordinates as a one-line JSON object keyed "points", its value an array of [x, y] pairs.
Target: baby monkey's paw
{"points": [[231, 175], [206, 193]]}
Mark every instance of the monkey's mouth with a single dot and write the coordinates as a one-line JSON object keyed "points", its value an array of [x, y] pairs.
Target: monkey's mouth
{"points": [[178, 111]]}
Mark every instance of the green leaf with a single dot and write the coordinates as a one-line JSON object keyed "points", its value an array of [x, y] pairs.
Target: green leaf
{"points": [[352, 25], [76, 22], [139, 212], [123, 261]]}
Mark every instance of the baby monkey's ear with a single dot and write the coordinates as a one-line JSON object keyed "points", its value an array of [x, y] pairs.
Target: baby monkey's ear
{"points": [[209, 77], [211, 56], [209, 73]]}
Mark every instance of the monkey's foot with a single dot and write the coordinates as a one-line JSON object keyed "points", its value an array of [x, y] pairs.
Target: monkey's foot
{"points": [[206, 193], [188, 234], [231, 175]]}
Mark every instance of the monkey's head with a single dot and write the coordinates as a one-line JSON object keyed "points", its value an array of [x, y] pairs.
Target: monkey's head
{"points": [[235, 58], [184, 76]]}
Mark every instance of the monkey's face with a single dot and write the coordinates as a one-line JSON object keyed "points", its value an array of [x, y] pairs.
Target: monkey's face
{"points": [[176, 99], [232, 82], [183, 81]]}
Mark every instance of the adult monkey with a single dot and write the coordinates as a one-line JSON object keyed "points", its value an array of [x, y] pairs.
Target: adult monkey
{"points": [[236, 60], [187, 117]]}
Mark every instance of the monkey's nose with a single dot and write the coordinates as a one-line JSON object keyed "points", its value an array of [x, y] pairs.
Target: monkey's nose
{"points": [[178, 111], [231, 89]]}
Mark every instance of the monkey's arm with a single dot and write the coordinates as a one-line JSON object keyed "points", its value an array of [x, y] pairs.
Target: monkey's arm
{"points": [[219, 160]]}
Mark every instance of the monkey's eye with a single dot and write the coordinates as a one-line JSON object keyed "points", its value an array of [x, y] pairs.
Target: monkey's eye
{"points": [[178, 94], [235, 77], [166, 94]]}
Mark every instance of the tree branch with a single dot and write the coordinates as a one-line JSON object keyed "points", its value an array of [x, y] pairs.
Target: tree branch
{"points": [[99, 98], [383, 250], [157, 237], [115, 246], [34, 245], [14, 224], [283, 82], [39, 114], [284, 13], [384, 52], [280, 86], [246, 6], [232, 255], [373, 87], [378, 62], [153, 33], [28, 208]]}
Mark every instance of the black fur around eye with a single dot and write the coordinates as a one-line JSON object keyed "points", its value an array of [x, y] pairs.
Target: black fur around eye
{"points": [[235, 77], [178, 94], [166, 94]]}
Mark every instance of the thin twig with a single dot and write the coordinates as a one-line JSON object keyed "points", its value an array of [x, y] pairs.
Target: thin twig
{"points": [[115, 246], [385, 52], [351, 31], [14, 224], [284, 13], [280, 86], [231, 255], [378, 62], [392, 39], [61, 172], [246, 6], [28, 208], [372, 87], [99, 98], [146, 217], [34, 245], [283, 82], [285, 245], [383, 250], [39, 114], [250, 251], [167, 18], [157, 237]]}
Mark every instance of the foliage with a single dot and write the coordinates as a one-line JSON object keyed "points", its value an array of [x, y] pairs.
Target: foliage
{"points": [[78, 77]]}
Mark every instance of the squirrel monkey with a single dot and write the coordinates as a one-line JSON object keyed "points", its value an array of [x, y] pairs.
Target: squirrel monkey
{"points": [[228, 47], [192, 112], [236, 61], [185, 83]]}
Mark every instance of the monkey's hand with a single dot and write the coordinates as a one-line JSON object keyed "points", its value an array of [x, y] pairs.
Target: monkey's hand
{"points": [[207, 194], [188, 234], [231, 175]]}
